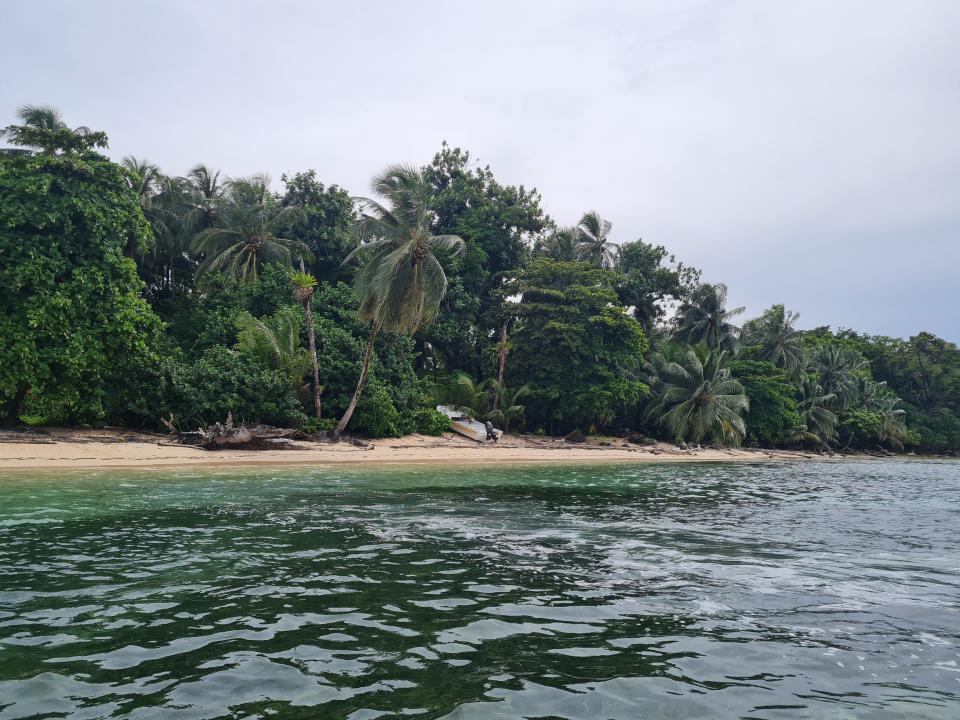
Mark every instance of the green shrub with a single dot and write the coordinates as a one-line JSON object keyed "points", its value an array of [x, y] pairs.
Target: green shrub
{"points": [[376, 416], [430, 422], [773, 415], [224, 381], [314, 425], [859, 429]]}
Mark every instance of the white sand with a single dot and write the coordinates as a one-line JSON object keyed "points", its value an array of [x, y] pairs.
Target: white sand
{"points": [[107, 449]]}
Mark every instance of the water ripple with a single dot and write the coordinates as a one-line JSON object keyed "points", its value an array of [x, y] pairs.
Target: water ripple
{"points": [[763, 591]]}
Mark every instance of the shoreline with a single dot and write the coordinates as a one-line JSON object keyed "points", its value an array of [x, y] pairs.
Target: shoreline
{"points": [[66, 449]]}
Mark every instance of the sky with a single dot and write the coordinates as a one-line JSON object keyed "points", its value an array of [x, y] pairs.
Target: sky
{"points": [[805, 153]]}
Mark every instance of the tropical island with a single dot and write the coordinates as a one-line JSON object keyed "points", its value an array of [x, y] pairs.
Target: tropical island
{"points": [[137, 299]]}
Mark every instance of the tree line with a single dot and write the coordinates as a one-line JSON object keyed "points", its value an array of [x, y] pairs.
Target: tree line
{"points": [[129, 295]]}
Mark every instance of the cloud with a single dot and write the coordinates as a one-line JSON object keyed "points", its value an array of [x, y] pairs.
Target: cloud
{"points": [[804, 153]]}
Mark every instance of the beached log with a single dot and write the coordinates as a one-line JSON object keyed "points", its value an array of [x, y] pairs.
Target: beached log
{"points": [[227, 436]]}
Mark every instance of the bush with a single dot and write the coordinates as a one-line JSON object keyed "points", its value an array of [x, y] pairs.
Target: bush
{"points": [[939, 430], [376, 416], [430, 422], [773, 415], [224, 381], [860, 429], [314, 425]]}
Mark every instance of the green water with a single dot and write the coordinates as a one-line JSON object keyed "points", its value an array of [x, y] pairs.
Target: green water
{"points": [[819, 590]]}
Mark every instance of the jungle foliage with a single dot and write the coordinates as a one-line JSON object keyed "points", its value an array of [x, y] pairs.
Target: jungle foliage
{"points": [[127, 295]]}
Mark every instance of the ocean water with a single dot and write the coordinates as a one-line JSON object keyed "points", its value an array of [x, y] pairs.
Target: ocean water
{"points": [[781, 590]]}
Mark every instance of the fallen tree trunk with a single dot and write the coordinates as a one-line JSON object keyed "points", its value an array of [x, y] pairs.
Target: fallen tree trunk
{"points": [[228, 436]]}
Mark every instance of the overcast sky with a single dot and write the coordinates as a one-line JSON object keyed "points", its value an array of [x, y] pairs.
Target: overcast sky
{"points": [[802, 152]]}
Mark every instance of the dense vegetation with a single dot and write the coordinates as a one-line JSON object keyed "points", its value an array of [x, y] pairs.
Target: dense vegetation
{"points": [[127, 296]]}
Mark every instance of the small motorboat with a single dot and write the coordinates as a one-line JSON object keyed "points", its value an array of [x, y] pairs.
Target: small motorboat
{"points": [[465, 425]]}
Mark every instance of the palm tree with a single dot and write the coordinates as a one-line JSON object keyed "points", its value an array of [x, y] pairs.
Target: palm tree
{"points": [[777, 338], [402, 282], [704, 317], [208, 193], [460, 392], [881, 400], [697, 398], [175, 222], [819, 421], [143, 178], [506, 407], [305, 285], [593, 244], [245, 233], [561, 244], [276, 342], [836, 369], [43, 129]]}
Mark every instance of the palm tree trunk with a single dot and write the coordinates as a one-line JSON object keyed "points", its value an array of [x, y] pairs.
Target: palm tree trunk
{"points": [[348, 413], [502, 359], [312, 340]]}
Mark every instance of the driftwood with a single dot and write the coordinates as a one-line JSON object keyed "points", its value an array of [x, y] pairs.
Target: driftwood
{"points": [[228, 436]]}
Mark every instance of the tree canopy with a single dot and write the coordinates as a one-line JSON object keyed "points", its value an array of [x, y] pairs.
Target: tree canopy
{"points": [[128, 294]]}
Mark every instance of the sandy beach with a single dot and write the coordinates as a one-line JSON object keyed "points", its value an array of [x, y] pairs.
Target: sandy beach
{"points": [[87, 449]]}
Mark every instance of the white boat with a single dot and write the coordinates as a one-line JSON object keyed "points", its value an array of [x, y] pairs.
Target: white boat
{"points": [[465, 425]]}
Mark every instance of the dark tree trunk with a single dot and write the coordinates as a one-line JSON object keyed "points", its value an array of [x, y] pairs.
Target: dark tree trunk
{"points": [[348, 413], [13, 406]]}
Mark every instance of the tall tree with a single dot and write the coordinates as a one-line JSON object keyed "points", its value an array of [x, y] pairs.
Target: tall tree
{"points": [[208, 193], [75, 330], [402, 282], [652, 281], [327, 213], [574, 345], [498, 224]]}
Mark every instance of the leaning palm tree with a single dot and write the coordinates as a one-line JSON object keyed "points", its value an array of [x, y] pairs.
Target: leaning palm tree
{"points": [[245, 237], [698, 399], [305, 285], [777, 339], [402, 282], [593, 244], [704, 318]]}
